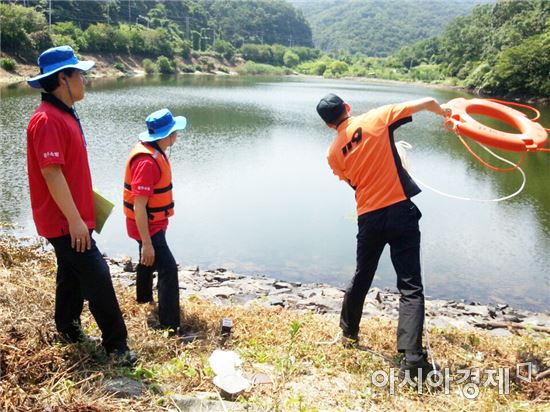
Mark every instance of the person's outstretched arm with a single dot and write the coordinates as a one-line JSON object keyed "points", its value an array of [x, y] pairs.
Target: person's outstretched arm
{"points": [[429, 104]]}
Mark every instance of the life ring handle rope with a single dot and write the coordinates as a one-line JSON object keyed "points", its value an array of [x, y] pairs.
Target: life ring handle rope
{"points": [[487, 165], [525, 106]]}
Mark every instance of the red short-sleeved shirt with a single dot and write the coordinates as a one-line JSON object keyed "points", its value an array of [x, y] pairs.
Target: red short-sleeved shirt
{"points": [[145, 174], [54, 137], [364, 154]]}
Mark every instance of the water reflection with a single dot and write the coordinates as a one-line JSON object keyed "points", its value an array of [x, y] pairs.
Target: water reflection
{"points": [[253, 191]]}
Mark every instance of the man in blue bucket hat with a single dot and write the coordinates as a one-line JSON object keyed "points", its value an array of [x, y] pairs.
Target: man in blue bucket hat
{"points": [[148, 203], [62, 203]]}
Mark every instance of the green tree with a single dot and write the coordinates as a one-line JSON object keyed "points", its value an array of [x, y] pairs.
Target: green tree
{"points": [[23, 30], [165, 66], [225, 48], [525, 69], [291, 59]]}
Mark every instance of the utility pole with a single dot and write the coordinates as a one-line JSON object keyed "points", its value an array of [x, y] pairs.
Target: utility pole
{"points": [[187, 27], [129, 13], [50, 17]]}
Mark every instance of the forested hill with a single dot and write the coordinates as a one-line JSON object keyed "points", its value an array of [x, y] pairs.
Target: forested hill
{"points": [[501, 48], [238, 22], [378, 27]]}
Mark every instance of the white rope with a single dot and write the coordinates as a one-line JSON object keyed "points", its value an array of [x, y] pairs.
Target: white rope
{"points": [[404, 146]]}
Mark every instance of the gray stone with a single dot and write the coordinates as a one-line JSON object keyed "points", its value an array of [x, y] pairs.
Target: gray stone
{"points": [[540, 319], [243, 299], [326, 305], [282, 285], [308, 293], [279, 291], [374, 295], [500, 332], [275, 301], [477, 310], [511, 318], [220, 291], [123, 387], [127, 265], [370, 310], [333, 293], [515, 313], [201, 404]]}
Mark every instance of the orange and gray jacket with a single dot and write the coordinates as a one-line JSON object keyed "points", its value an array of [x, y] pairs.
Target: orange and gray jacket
{"points": [[161, 204]]}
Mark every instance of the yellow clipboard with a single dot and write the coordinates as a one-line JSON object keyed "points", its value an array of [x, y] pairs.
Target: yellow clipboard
{"points": [[103, 208]]}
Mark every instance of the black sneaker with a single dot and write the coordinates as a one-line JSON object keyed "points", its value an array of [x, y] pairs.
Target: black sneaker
{"points": [[349, 341], [80, 337], [422, 367], [123, 357]]}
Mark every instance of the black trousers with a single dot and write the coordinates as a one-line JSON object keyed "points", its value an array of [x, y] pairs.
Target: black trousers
{"points": [[168, 285], [85, 276], [396, 225]]}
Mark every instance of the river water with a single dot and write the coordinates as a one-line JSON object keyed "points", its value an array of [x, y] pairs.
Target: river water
{"points": [[254, 193]]}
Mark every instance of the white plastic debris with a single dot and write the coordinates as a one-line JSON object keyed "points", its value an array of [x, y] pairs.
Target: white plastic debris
{"points": [[226, 367]]}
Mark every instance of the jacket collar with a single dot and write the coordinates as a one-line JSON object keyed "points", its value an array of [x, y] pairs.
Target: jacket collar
{"points": [[50, 98], [343, 122]]}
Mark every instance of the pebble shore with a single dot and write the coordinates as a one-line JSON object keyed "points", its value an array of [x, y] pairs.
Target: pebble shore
{"points": [[227, 288]]}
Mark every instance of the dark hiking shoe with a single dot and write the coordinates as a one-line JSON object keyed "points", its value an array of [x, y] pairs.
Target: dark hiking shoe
{"points": [[349, 341], [123, 357], [79, 337], [414, 369]]}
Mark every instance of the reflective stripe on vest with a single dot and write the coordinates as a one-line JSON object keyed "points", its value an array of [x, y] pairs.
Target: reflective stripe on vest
{"points": [[161, 204]]}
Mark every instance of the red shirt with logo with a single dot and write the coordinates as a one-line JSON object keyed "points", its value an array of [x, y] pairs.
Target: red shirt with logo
{"points": [[145, 175], [54, 137], [364, 154]]}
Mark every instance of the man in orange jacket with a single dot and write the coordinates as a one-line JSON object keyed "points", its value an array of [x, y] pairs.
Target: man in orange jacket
{"points": [[365, 156], [148, 203]]}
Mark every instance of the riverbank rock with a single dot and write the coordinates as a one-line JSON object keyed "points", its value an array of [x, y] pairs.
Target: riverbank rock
{"points": [[227, 288], [123, 387]]}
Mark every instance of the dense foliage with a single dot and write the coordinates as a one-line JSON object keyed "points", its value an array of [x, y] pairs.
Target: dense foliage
{"points": [[199, 23], [26, 31], [378, 27], [499, 48]]}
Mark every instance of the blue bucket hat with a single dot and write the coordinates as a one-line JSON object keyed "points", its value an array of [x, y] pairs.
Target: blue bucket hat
{"points": [[56, 59], [161, 124]]}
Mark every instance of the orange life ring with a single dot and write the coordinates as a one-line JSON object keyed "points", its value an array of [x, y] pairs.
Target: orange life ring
{"points": [[532, 135]]}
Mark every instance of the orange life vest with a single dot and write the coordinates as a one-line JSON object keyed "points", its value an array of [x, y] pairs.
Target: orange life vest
{"points": [[161, 204]]}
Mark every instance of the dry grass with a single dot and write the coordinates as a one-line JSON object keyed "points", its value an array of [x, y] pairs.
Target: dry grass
{"points": [[39, 373]]}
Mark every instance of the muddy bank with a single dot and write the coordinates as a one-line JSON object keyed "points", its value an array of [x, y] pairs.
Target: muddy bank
{"points": [[111, 65]]}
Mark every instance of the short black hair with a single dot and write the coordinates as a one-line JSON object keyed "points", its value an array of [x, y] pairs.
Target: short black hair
{"points": [[330, 108], [51, 82]]}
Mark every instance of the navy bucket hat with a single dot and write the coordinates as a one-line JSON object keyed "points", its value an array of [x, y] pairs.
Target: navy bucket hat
{"points": [[161, 124], [56, 59]]}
